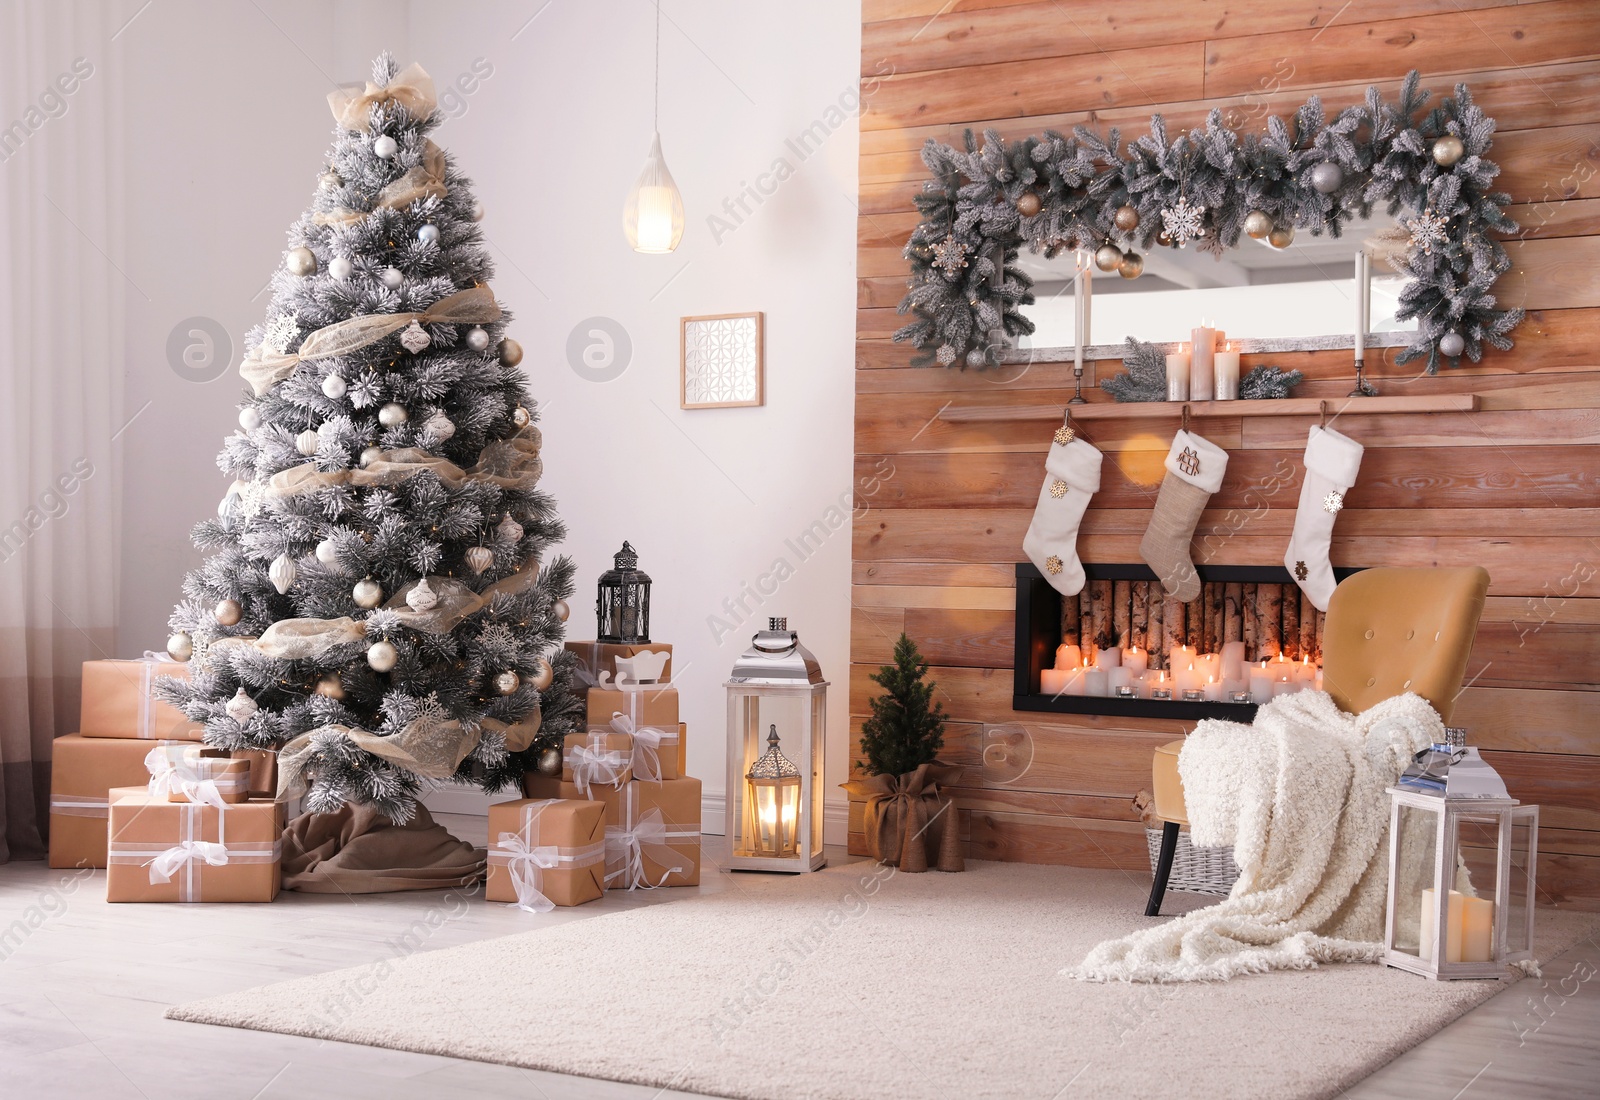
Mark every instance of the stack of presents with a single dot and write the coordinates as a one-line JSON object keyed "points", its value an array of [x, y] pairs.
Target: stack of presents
{"points": [[621, 814], [136, 792]]}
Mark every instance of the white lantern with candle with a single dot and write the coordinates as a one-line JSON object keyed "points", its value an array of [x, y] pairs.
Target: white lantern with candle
{"points": [[1462, 857]]}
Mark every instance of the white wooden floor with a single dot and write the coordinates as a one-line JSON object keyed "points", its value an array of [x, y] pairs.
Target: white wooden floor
{"points": [[82, 992]]}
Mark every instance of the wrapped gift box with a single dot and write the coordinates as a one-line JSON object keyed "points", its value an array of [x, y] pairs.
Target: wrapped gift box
{"points": [[263, 771], [535, 785], [646, 706], [189, 773], [595, 658], [655, 840], [657, 751], [117, 701], [189, 851], [597, 758], [546, 852], [82, 771]]}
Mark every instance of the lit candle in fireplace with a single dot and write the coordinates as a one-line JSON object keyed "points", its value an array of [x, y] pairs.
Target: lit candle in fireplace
{"points": [[1136, 659]]}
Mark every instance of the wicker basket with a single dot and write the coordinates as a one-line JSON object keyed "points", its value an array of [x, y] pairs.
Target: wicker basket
{"points": [[1195, 870]]}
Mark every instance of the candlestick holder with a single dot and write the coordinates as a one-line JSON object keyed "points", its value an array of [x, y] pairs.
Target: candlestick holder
{"points": [[1077, 386], [1363, 387]]}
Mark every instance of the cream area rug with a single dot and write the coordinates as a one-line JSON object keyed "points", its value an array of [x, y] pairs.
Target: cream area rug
{"points": [[860, 981]]}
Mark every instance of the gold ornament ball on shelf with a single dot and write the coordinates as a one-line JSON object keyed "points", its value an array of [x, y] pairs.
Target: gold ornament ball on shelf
{"points": [[367, 593], [1447, 150], [227, 612], [549, 762], [1281, 236], [543, 675], [1108, 257], [1132, 266], [1257, 225], [510, 352], [1126, 218], [507, 683], [382, 656], [301, 261], [330, 686], [562, 610], [1029, 204], [180, 646]]}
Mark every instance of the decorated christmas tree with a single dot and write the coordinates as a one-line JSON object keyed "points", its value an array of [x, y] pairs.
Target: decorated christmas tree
{"points": [[374, 602]]}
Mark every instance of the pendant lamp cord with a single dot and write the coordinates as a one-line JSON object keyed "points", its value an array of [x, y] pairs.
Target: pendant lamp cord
{"points": [[655, 106]]}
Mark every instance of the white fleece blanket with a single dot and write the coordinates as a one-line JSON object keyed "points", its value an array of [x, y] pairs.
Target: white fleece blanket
{"points": [[1300, 795]]}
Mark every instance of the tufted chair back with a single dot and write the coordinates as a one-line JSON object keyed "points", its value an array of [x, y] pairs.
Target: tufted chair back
{"points": [[1390, 631]]}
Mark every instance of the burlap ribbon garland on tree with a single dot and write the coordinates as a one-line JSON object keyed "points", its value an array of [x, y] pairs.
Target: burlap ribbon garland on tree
{"points": [[425, 181], [908, 820], [411, 88], [508, 464]]}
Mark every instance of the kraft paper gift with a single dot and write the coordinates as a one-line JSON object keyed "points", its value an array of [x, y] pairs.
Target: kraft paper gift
{"points": [[546, 852], [117, 702], [647, 706], [535, 785], [82, 770], [263, 770], [595, 658], [189, 773], [655, 749], [597, 758], [164, 851], [656, 838]]}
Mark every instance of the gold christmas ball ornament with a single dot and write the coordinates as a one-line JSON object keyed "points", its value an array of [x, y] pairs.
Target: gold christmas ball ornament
{"points": [[507, 683], [180, 646], [301, 261], [1108, 257], [1126, 218], [1257, 225], [561, 609], [1281, 236], [543, 675], [549, 762], [1132, 266], [1164, 239], [393, 415], [510, 352], [1447, 150], [520, 417], [1029, 204], [228, 612], [330, 686], [479, 558], [367, 593], [382, 656]]}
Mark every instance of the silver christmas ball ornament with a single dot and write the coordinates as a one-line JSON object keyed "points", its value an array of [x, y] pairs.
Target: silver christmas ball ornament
{"points": [[306, 442], [1452, 344], [249, 418], [507, 683], [341, 268], [334, 387], [227, 612], [1257, 225], [477, 212], [510, 352], [1108, 257], [976, 358], [479, 558], [439, 426], [393, 415], [330, 686], [301, 261], [1327, 177], [1447, 150], [329, 180], [367, 593], [1132, 266], [428, 234], [543, 675], [477, 338], [1281, 236], [382, 656], [241, 708], [520, 416], [369, 455], [180, 646], [549, 762], [385, 146], [327, 552], [562, 610], [392, 278]]}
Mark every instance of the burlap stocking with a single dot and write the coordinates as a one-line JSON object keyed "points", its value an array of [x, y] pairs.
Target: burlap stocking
{"points": [[1195, 466]]}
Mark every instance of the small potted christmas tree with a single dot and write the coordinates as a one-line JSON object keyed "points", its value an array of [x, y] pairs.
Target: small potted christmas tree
{"points": [[907, 818]]}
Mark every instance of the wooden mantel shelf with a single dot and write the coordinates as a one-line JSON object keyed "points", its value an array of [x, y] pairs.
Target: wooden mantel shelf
{"points": [[1286, 406]]}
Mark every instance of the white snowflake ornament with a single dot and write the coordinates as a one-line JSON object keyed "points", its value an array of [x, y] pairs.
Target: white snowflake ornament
{"points": [[415, 339], [1427, 230], [950, 256], [1182, 222], [281, 331], [1333, 502]]}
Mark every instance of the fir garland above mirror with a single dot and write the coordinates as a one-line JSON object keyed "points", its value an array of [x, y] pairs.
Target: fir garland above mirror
{"points": [[1210, 186]]}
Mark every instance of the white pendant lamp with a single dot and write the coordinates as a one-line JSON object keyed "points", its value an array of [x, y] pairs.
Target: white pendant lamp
{"points": [[653, 216]]}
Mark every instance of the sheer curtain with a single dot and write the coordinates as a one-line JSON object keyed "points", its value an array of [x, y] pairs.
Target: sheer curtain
{"points": [[61, 366]]}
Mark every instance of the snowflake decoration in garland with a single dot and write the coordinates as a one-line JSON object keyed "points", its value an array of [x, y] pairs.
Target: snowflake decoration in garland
{"points": [[1428, 229], [280, 333], [950, 256], [1183, 223], [946, 356]]}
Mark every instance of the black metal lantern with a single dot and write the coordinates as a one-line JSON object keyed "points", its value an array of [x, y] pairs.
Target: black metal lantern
{"points": [[622, 607]]}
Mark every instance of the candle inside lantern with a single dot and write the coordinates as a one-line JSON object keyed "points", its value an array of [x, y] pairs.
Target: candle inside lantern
{"points": [[1136, 658], [1427, 940], [1227, 371], [1202, 366], [1477, 930], [1178, 375]]}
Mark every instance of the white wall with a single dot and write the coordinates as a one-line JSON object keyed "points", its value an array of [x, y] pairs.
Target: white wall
{"points": [[232, 127]]}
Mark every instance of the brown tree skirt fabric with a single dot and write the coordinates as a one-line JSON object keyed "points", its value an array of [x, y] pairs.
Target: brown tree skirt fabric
{"points": [[359, 851]]}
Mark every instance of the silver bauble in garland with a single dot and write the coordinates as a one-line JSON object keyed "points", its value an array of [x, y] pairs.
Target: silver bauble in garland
{"points": [[507, 683], [328, 552], [334, 387], [1257, 225], [306, 442], [340, 268], [249, 418], [549, 762], [520, 417], [369, 455], [1281, 236], [477, 338], [385, 146], [1132, 266], [428, 234], [282, 573], [510, 352], [392, 278], [382, 656], [393, 415], [227, 612], [1447, 150], [1108, 257], [367, 593], [301, 261], [1452, 344], [440, 426], [1327, 177], [180, 646]]}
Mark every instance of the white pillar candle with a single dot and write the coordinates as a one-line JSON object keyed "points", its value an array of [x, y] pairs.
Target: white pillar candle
{"points": [[1061, 681], [1233, 685], [1136, 658], [1306, 670], [1108, 658], [1477, 930], [1233, 661], [1188, 678], [1202, 368], [1317, 684], [1215, 690], [1119, 677], [1209, 665], [1094, 682], [1362, 297], [1286, 686], [1179, 656], [1260, 686], [1068, 656], [1227, 372], [1178, 375]]}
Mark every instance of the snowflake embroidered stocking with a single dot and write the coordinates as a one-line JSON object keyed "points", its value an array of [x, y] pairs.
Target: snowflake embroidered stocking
{"points": [[1071, 477], [1195, 466], [1332, 461]]}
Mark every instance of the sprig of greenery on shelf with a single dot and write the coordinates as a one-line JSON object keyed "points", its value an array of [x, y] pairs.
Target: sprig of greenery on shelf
{"points": [[1145, 377]]}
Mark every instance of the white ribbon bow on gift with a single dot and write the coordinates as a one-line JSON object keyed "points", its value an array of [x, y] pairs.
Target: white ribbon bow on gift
{"points": [[170, 770], [646, 746], [594, 764], [650, 832], [527, 864], [174, 859]]}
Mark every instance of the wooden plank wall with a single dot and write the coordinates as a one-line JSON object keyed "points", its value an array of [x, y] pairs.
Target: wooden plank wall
{"points": [[1514, 487]]}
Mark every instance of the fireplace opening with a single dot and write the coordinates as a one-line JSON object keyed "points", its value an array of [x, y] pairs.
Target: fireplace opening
{"points": [[1122, 646]]}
